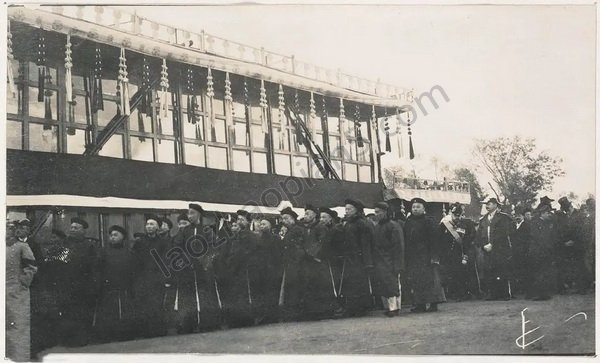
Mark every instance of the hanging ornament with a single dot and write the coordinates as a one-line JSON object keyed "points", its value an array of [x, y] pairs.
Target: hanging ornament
{"points": [[282, 120], [374, 128], [342, 116], [123, 85], [41, 63], [210, 93], [399, 133], [11, 81], [48, 99], [411, 151], [247, 110], [386, 129], [312, 117], [71, 115], [359, 138], [68, 67], [163, 107], [145, 107], [228, 104], [325, 128], [96, 92], [263, 108], [299, 135]]}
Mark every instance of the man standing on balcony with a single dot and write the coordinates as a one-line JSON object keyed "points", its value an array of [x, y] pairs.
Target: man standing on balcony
{"points": [[493, 237], [423, 259], [356, 285]]}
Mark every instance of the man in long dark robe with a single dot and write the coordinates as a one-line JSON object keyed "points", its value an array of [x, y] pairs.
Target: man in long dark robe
{"points": [[570, 248], [192, 304], [493, 238], [291, 292], [78, 299], [520, 238], [422, 251], [114, 317], [541, 249], [356, 286], [457, 234], [388, 258], [235, 287], [150, 281], [319, 296], [265, 273]]}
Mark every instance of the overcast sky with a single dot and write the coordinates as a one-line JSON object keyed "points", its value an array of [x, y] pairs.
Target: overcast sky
{"points": [[508, 70]]}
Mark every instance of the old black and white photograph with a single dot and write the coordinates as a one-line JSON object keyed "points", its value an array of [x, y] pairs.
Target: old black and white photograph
{"points": [[305, 180]]}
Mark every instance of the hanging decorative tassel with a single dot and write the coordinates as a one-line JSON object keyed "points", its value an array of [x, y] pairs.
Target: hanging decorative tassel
{"points": [[48, 99], [228, 105], [247, 110], [123, 83], [374, 128], [359, 138], [210, 93], [299, 135], [97, 94], [342, 117], [68, 66], [399, 133], [41, 63], [11, 81], [312, 117], [386, 128], [263, 108], [163, 107], [325, 128], [71, 115], [411, 150], [146, 104], [282, 121]]}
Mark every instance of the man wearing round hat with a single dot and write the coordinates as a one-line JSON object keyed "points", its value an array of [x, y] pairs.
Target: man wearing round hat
{"points": [[194, 305], [114, 316], [457, 234], [493, 238], [291, 291], [541, 265], [423, 251], [320, 299], [356, 285], [570, 249], [334, 250], [150, 281], [77, 305], [388, 258]]}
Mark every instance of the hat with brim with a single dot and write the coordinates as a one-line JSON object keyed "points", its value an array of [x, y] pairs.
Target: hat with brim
{"points": [[196, 207], [153, 217], [245, 214], [182, 217], [118, 229], [492, 200], [382, 205], [82, 222], [331, 212], [418, 200], [311, 207], [355, 203], [290, 212]]}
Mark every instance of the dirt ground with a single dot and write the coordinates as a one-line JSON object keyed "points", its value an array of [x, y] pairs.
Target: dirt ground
{"points": [[474, 327]]}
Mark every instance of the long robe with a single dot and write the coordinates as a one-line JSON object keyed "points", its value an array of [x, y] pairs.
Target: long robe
{"points": [[20, 269], [356, 285], [265, 271], [234, 281], [421, 247], [115, 314], [388, 257], [541, 261], [460, 279], [192, 301], [149, 286], [570, 259], [319, 296], [520, 239], [292, 286], [497, 262]]}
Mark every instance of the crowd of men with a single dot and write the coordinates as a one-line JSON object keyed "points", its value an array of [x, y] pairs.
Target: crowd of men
{"points": [[244, 271]]}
